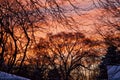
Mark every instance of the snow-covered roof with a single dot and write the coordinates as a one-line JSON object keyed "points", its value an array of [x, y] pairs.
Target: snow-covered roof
{"points": [[113, 72], [6, 76]]}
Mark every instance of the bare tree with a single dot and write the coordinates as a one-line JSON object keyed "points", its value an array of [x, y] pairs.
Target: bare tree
{"points": [[19, 21], [110, 17], [66, 54]]}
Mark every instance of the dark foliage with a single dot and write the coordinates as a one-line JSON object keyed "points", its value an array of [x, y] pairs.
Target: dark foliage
{"points": [[111, 58]]}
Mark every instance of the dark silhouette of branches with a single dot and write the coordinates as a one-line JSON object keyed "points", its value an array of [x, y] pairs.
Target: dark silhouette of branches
{"points": [[19, 21], [65, 54], [109, 19], [22, 52], [108, 22]]}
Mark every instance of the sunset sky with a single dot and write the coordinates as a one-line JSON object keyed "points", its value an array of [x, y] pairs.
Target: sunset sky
{"points": [[69, 39], [85, 16]]}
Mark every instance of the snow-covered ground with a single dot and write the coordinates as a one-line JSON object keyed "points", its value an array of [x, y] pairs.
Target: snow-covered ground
{"points": [[6, 76], [113, 72]]}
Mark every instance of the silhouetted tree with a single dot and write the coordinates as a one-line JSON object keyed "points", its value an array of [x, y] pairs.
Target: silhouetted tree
{"points": [[68, 54], [19, 22], [111, 58], [54, 74]]}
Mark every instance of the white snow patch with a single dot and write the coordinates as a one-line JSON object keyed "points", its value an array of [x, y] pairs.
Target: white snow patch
{"points": [[113, 72], [6, 76]]}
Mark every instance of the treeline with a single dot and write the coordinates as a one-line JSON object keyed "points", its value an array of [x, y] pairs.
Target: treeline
{"points": [[62, 56], [65, 56]]}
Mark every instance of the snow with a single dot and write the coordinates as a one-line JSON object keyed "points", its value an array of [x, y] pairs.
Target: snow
{"points": [[6, 76], [113, 72]]}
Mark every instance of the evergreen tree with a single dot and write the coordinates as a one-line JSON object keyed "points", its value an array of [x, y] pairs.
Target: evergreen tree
{"points": [[111, 58]]}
